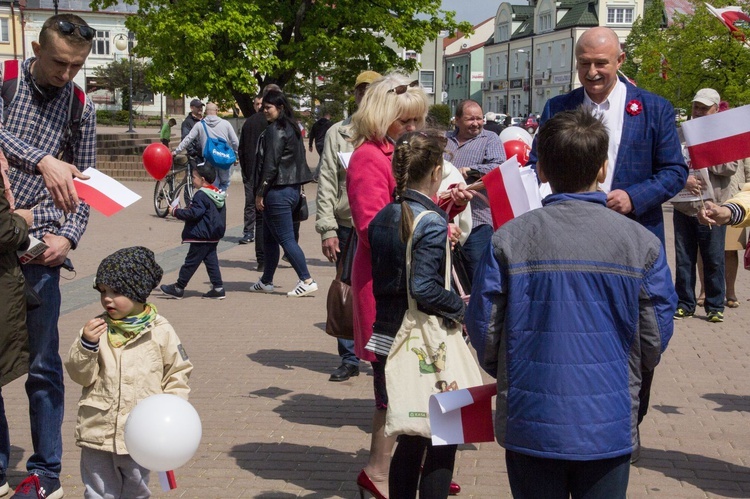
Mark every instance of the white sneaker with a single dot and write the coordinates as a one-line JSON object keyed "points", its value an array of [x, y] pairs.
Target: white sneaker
{"points": [[302, 289], [261, 287]]}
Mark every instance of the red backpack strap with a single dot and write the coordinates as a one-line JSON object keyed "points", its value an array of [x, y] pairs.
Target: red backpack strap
{"points": [[11, 70]]}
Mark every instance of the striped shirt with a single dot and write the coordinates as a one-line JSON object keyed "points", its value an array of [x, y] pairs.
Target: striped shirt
{"points": [[33, 129], [483, 153]]}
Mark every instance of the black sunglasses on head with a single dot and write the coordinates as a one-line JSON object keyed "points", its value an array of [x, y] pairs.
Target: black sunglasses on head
{"points": [[403, 88], [67, 28]]}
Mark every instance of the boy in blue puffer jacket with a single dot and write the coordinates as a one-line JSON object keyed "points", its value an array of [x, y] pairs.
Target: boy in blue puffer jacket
{"points": [[570, 303], [205, 224]]}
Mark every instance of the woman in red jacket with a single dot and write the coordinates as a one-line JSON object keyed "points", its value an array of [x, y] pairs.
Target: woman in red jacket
{"points": [[392, 106]]}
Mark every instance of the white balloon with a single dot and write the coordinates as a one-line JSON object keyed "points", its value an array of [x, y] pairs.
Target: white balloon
{"points": [[516, 133], [163, 432]]}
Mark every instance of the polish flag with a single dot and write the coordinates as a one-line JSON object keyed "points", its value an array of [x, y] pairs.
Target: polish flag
{"points": [[167, 480], [718, 138], [103, 193], [731, 17], [512, 191], [462, 416]]}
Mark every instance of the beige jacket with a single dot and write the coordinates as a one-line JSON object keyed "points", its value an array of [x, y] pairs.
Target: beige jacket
{"points": [[332, 203], [114, 380], [720, 177]]}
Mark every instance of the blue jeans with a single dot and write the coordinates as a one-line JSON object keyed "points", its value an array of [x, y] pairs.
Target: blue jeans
{"points": [[475, 246], [689, 236], [223, 178], [278, 230], [44, 385], [533, 477], [346, 347]]}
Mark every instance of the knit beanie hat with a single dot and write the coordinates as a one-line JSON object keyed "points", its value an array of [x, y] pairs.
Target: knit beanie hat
{"points": [[132, 272]]}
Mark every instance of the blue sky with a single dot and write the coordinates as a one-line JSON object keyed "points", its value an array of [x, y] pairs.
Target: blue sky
{"points": [[474, 11]]}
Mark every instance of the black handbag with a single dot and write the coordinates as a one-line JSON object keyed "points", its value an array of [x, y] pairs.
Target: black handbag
{"points": [[347, 258], [301, 212]]}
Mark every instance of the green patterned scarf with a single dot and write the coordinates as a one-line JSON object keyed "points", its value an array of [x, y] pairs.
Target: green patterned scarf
{"points": [[123, 331]]}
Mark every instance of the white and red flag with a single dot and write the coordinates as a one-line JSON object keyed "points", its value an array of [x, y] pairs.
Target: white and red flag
{"points": [[103, 193], [462, 416], [718, 138], [512, 191], [731, 17]]}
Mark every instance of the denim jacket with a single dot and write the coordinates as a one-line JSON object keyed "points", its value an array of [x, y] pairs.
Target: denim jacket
{"points": [[427, 283]]}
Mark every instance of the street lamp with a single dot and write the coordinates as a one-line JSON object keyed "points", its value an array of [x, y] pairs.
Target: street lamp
{"points": [[121, 44]]}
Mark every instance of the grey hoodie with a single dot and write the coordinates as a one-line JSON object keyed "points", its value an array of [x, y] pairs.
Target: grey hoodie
{"points": [[217, 127]]}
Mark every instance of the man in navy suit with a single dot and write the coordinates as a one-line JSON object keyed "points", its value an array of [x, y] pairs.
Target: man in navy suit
{"points": [[643, 145], [644, 148]]}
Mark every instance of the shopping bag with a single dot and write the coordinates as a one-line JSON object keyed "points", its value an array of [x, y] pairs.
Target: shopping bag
{"points": [[427, 357]]}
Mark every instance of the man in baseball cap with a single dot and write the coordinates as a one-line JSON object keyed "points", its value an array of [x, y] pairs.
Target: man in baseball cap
{"points": [[690, 236], [333, 219], [708, 97], [193, 117]]}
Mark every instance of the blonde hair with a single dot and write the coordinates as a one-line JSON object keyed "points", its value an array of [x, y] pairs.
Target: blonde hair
{"points": [[381, 106]]}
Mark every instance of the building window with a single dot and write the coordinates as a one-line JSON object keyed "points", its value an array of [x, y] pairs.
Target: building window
{"points": [[100, 45], [4, 32], [620, 15], [545, 21], [411, 55], [503, 32], [488, 70], [427, 81], [562, 55]]}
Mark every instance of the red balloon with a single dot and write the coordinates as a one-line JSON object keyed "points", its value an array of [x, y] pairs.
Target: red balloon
{"points": [[519, 149], [157, 159]]}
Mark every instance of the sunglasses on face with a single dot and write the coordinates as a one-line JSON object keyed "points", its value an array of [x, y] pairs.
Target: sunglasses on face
{"points": [[403, 88], [67, 28]]}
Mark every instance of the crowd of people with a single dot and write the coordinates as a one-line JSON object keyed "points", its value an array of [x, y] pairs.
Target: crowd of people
{"points": [[571, 303]]}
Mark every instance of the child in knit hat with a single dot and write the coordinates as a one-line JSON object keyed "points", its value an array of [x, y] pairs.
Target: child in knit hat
{"points": [[121, 357]]}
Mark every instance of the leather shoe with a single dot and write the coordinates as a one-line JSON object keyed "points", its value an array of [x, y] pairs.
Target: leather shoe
{"points": [[344, 372]]}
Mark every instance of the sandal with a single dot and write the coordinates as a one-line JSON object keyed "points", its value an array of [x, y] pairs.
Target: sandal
{"points": [[732, 303]]}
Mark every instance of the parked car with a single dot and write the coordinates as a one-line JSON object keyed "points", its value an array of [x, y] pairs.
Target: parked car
{"points": [[517, 121], [531, 124]]}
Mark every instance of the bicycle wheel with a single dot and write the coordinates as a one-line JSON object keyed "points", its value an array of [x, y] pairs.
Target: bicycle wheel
{"points": [[181, 190], [163, 195]]}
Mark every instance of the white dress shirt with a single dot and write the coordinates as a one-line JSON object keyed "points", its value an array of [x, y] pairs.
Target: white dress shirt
{"points": [[611, 111]]}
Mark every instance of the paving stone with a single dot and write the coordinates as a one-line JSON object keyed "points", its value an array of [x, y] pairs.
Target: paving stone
{"points": [[275, 427]]}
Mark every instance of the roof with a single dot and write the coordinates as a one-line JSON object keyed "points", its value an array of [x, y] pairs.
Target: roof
{"points": [[78, 6], [525, 15], [672, 7], [581, 14]]}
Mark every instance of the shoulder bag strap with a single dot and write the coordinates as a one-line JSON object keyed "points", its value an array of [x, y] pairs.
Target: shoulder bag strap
{"points": [[412, 302]]}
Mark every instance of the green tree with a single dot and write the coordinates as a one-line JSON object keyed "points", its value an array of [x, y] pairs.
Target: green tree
{"points": [[116, 75], [693, 52], [227, 50]]}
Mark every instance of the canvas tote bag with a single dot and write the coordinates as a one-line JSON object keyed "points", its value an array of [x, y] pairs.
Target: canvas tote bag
{"points": [[426, 358]]}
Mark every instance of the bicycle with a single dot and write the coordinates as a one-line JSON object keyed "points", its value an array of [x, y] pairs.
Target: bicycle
{"points": [[169, 188]]}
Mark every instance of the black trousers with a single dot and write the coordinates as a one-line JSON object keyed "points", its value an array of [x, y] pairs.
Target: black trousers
{"points": [[201, 253], [249, 227], [535, 477]]}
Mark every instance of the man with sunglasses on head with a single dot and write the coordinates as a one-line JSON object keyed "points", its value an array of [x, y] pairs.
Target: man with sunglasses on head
{"points": [[40, 127]]}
